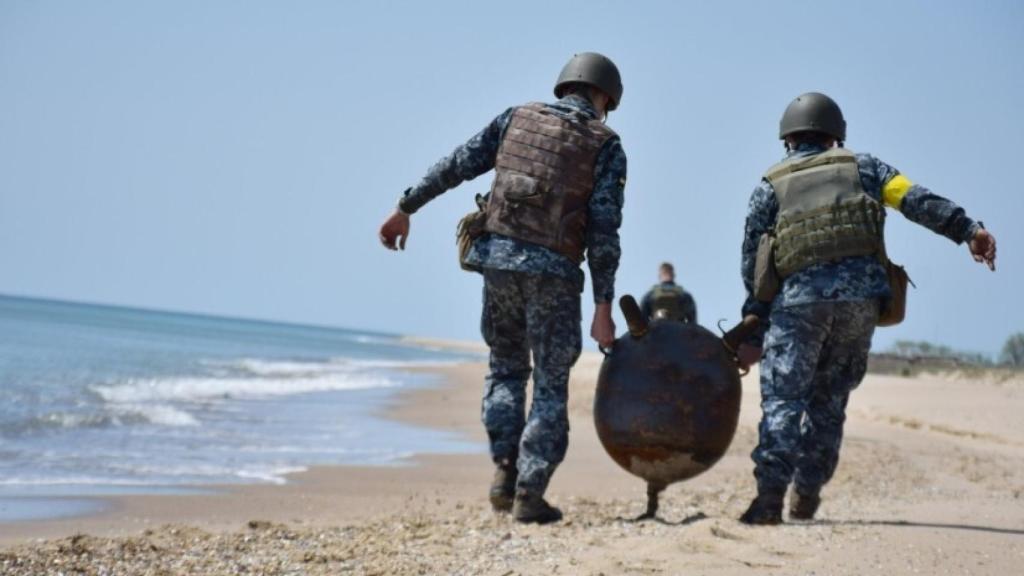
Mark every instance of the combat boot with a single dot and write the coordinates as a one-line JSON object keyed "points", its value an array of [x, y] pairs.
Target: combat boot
{"points": [[533, 509], [503, 487], [803, 506], [765, 510]]}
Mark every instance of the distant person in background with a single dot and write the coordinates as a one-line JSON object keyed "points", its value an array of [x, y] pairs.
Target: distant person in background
{"points": [[668, 299], [557, 196], [817, 275]]}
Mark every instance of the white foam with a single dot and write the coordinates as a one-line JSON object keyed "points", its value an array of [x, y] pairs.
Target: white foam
{"points": [[195, 389], [333, 366], [275, 476], [117, 415], [286, 368], [367, 339], [396, 364], [147, 475], [73, 481], [160, 414]]}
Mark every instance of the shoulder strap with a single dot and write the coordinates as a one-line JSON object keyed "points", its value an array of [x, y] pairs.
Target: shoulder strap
{"points": [[791, 165]]}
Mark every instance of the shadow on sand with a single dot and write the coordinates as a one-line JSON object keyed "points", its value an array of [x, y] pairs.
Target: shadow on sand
{"points": [[684, 522], [909, 524]]}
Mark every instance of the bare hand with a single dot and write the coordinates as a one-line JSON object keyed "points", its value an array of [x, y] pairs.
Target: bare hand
{"points": [[983, 248], [602, 329], [748, 355], [395, 227]]}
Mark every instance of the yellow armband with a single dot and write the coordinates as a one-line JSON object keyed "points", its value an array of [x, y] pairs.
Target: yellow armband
{"points": [[894, 190]]}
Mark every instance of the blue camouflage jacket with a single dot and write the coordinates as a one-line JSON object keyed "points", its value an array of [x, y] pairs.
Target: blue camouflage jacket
{"points": [[859, 278], [495, 251]]}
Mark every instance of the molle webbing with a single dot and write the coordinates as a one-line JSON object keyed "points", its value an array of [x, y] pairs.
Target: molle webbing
{"points": [[544, 179], [852, 228], [824, 213], [667, 299]]}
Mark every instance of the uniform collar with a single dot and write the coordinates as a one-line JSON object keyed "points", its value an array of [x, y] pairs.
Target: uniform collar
{"points": [[805, 149], [577, 103]]}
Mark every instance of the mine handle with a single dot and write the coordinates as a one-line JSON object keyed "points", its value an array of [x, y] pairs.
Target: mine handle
{"points": [[634, 317], [635, 321], [737, 335]]}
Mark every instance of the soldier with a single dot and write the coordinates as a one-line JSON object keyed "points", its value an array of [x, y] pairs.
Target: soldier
{"points": [[666, 299], [557, 195], [821, 208]]}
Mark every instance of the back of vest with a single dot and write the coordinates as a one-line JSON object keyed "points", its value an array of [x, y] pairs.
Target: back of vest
{"points": [[544, 179], [824, 213], [665, 302]]}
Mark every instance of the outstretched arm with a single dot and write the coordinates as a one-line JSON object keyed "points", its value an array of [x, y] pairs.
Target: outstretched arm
{"points": [[466, 162], [940, 215]]}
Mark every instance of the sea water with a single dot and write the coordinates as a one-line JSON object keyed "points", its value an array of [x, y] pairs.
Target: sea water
{"points": [[99, 399]]}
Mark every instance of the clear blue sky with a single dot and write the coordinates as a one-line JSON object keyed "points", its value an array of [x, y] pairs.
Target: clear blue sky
{"points": [[237, 157]]}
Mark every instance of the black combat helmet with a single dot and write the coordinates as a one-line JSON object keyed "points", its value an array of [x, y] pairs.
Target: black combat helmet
{"points": [[594, 70], [813, 112]]}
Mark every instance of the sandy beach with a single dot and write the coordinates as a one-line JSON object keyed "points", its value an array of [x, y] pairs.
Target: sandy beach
{"points": [[930, 482]]}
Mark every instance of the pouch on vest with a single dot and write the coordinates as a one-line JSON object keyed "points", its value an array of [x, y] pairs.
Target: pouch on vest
{"points": [[469, 229], [522, 189], [894, 309], [766, 277], [665, 303]]}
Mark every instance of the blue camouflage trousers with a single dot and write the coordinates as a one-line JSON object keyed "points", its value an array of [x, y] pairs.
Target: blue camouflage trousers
{"points": [[815, 355], [526, 314]]}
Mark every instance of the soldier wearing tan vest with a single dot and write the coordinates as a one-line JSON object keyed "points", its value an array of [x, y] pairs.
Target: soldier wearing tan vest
{"points": [[818, 276], [666, 299], [556, 200]]}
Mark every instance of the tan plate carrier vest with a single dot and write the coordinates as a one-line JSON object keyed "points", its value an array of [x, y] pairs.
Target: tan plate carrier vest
{"points": [[667, 299], [544, 179], [824, 212]]}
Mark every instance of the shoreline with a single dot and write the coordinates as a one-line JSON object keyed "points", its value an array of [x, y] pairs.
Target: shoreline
{"points": [[119, 512], [931, 480]]}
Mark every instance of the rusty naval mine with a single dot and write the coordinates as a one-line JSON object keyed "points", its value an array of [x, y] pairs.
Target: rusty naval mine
{"points": [[668, 398]]}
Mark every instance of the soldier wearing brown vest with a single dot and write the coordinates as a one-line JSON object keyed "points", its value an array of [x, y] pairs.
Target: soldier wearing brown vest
{"points": [[556, 199]]}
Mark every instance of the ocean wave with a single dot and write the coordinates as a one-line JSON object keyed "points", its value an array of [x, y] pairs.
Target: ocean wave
{"points": [[199, 389], [73, 481], [105, 417], [261, 367], [159, 414], [338, 365], [367, 339], [143, 475]]}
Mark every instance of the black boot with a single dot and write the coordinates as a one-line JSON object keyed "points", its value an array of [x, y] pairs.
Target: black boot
{"points": [[533, 509], [503, 488], [765, 510], [803, 506]]}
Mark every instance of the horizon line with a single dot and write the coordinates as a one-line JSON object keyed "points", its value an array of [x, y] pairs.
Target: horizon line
{"points": [[194, 314]]}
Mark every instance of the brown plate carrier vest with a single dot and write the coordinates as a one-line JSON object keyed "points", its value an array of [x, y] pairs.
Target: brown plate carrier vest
{"points": [[824, 212], [544, 179]]}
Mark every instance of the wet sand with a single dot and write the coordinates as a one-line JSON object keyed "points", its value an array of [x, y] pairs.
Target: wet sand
{"points": [[931, 481]]}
